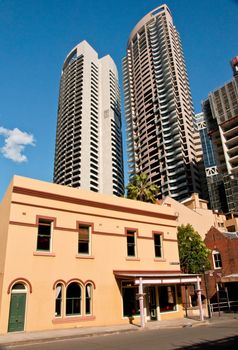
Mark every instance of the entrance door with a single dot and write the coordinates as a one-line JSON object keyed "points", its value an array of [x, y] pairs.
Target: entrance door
{"points": [[152, 303], [17, 312]]}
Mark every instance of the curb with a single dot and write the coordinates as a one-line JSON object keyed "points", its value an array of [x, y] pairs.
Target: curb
{"points": [[64, 337], [52, 338], [187, 325]]}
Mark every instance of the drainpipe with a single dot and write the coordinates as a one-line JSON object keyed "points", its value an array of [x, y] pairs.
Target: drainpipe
{"points": [[141, 301], [199, 293]]}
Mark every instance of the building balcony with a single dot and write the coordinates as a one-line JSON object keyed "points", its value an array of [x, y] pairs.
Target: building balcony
{"points": [[232, 142], [234, 160], [233, 151]]}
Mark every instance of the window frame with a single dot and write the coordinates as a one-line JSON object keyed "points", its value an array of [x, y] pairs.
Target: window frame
{"points": [[68, 302], [160, 234], [133, 303], [60, 299], [16, 290], [45, 221], [80, 298], [215, 260], [134, 244], [90, 227], [88, 298], [171, 292]]}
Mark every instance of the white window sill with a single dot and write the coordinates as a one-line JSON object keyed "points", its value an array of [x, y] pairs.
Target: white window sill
{"points": [[160, 259], [43, 253], [132, 258], [84, 256]]}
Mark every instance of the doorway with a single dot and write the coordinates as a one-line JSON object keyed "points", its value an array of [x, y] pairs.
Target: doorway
{"points": [[152, 304], [16, 320]]}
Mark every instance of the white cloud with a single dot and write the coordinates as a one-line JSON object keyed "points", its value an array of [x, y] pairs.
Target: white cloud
{"points": [[15, 142]]}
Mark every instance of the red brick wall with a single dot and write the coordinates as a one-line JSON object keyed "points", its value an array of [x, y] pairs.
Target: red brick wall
{"points": [[228, 249]]}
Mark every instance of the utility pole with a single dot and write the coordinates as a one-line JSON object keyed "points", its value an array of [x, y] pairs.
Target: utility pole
{"points": [[207, 295]]}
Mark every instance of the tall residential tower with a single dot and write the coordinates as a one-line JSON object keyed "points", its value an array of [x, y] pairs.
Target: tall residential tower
{"points": [[221, 113], [158, 106], [88, 150]]}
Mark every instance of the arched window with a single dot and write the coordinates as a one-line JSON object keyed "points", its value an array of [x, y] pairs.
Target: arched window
{"points": [[73, 299], [88, 299], [58, 299], [19, 287]]}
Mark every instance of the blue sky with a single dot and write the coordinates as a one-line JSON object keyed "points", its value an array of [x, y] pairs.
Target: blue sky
{"points": [[36, 35]]}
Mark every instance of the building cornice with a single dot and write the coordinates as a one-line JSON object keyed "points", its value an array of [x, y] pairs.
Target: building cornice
{"points": [[91, 203]]}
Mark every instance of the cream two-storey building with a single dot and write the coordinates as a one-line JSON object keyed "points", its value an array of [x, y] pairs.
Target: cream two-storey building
{"points": [[73, 258]]}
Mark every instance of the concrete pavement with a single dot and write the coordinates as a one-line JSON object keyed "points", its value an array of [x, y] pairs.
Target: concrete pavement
{"points": [[21, 338]]}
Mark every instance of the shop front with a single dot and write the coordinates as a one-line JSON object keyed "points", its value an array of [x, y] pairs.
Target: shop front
{"points": [[154, 296]]}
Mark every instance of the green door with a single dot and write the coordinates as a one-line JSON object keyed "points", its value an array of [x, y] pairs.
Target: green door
{"points": [[17, 312]]}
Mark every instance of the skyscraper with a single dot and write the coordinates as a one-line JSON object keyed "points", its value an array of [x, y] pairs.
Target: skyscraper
{"points": [[212, 182], [221, 113], [88, 151], [207, 147], [158, 106]]}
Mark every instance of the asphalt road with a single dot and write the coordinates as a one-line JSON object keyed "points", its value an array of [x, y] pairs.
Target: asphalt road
{"points": [[217, 336]]}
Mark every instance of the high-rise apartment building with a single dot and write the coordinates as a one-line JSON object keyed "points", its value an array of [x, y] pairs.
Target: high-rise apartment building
{"points": [[221, 113], [89, 139], [212, 182], [207, 147], [158, 106]]}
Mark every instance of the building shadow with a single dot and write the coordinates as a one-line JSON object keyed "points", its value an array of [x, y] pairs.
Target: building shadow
{"points": [[225, 343]]}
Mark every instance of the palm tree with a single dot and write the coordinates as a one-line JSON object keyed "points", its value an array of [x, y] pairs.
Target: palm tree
{"points": [[140, 188]]}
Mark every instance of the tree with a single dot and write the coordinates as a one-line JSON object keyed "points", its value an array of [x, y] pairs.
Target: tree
{"points": [[193, 252], [140, 188]]}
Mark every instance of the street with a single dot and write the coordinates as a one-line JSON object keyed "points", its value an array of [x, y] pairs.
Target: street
{"points": [[215, 336]]}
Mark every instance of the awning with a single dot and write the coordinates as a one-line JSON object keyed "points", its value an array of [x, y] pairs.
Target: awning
{"points": [[157, 277], [230, 278]]}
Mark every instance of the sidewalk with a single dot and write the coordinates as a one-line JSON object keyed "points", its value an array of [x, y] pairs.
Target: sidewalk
{"points": [[22, 338]]}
